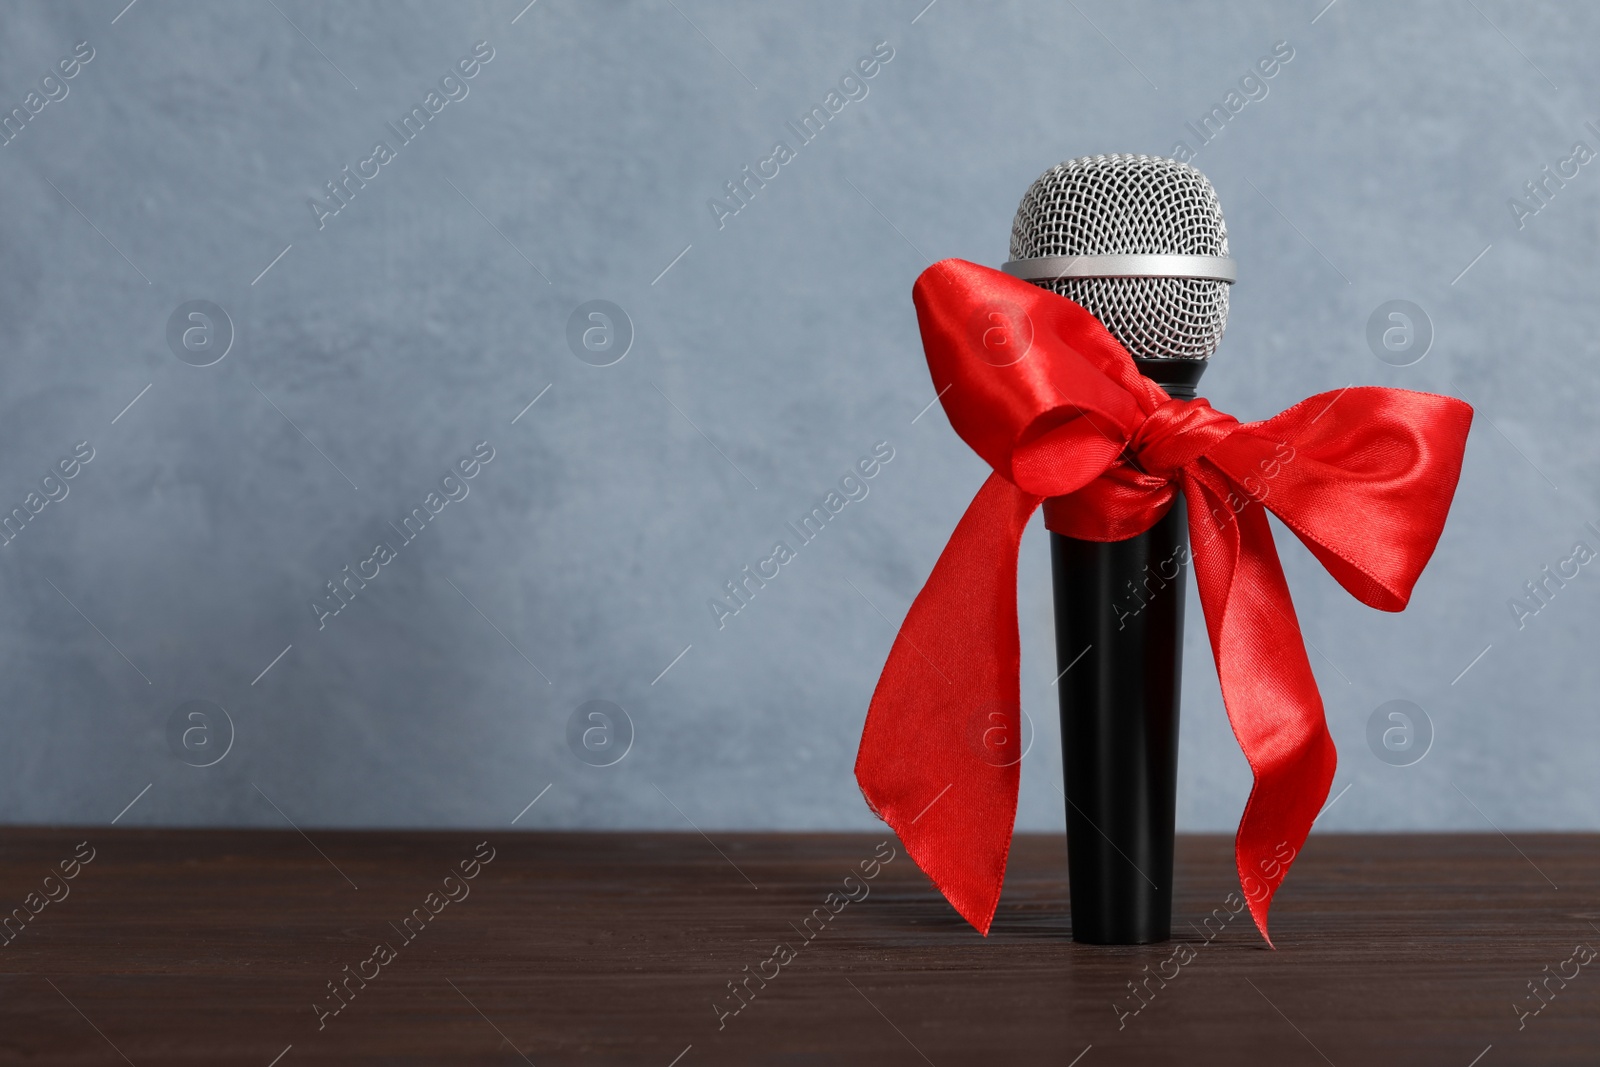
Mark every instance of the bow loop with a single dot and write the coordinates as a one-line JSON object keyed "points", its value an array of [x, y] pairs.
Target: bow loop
{"points": [[1363, 476], [1041, 390]]}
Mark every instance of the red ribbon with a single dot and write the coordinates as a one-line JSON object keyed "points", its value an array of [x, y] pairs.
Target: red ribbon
{"points": [[1039, 389]]}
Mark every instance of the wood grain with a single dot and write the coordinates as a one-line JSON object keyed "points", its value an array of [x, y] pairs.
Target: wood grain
{"points": [[211, 947]]}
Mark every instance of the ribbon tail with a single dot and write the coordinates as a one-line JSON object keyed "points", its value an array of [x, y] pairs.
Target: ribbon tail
{"points": [[928, 765], [1267, 684]]}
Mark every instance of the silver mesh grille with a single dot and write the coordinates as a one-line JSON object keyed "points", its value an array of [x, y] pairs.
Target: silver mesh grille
{"points": [[1104, 205]]}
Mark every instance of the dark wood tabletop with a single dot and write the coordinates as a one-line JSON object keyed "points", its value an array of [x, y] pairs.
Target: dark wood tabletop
{"points": [[494, 947]]}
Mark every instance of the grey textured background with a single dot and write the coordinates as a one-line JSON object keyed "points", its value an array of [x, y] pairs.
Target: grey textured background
{"points": [[184, 559]]}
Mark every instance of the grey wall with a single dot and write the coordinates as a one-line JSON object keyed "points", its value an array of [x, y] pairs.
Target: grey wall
{"points": [[777, 350]]}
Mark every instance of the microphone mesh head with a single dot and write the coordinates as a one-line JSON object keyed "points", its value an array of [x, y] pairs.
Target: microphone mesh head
{"points": [[1120, 204]]}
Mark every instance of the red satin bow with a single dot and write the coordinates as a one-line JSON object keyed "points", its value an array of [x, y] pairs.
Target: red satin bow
{"points": [[1056, 406]]}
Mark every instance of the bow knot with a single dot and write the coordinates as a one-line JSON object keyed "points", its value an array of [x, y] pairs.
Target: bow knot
{"points": [[1177, 433], [1363, 477]]}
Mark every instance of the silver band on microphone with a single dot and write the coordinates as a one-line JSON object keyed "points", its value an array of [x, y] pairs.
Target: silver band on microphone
{"points": [[1042, 268]]}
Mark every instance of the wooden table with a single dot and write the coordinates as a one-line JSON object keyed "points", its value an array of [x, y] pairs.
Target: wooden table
{"points": [[219, 947]]}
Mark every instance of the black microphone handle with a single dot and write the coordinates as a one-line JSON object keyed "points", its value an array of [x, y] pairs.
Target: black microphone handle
{"points": [[1119, 640]]}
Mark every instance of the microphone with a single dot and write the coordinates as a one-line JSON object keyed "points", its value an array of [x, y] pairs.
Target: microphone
{"points": [[1139, 242]]}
